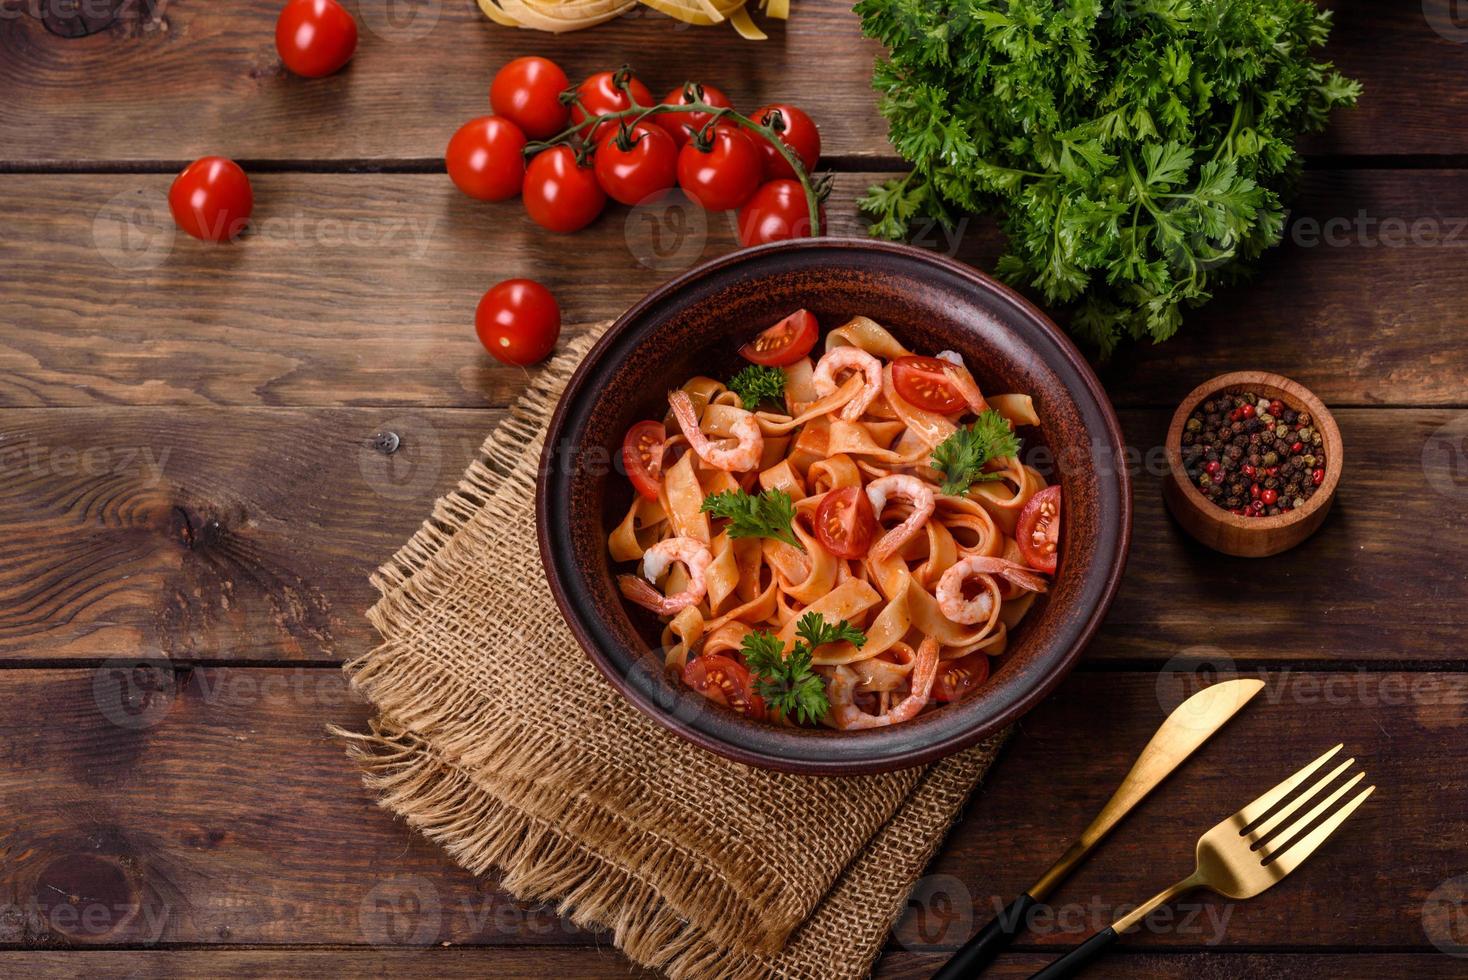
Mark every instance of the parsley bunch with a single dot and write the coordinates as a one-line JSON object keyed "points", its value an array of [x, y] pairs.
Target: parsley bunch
{"points": [[768, 515], [1135, 151], [961, 457], [756, 384], [788, 684]]}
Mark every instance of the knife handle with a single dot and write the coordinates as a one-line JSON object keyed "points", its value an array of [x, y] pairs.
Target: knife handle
{"points": [[980, 951], [1071, 962]]}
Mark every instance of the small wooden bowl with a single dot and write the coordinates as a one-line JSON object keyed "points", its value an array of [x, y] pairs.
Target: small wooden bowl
{"points": [[1250, 537]]}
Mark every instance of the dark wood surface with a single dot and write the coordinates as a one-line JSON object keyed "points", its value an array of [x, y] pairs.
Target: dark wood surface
{"points": [[191, 499]]}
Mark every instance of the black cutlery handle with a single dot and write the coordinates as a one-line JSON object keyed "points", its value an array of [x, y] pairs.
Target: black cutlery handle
{"points": [[1071, 962], [980, 951]]}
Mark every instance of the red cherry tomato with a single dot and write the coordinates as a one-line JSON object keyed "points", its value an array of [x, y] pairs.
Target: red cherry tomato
{"points": [[315, 37], [518, 321], [485, 158], [642, 457], [957, 677], [845, 522], [777, 211], [682, 125], [527, 92], [784, 343], [797, 131], [559, 194], [641, 172], [924, 382], [600, 94], [1037, 532], [211, 199], [725, 681], [724, 176]]}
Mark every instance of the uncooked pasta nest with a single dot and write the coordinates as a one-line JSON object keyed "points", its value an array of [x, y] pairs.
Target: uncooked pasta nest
{"points": [[573, 15]]}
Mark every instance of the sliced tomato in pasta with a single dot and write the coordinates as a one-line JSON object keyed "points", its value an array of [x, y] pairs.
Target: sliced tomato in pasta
{"points": [[925, 382], [784, 343], [725, 681], [1037, 532], [957, 677], [642, 457], [845, 522]]}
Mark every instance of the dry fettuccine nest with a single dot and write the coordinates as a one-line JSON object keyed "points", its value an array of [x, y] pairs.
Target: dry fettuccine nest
{"points": [[573, 15]]}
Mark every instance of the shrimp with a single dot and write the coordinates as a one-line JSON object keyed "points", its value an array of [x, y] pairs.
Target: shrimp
{"points": [[845, 715], [915, 492], [949, 593], [694, 555], [964, 381], [839, 359], [744, 455]]}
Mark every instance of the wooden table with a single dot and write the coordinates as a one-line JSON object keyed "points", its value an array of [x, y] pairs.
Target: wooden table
{"points": [[188, 476]]}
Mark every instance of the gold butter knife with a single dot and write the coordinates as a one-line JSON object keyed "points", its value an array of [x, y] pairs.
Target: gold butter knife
{"points": [[1190, 725]]}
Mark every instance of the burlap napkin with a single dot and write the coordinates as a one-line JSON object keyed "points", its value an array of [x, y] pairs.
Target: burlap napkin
{"points": [[497, 738]]}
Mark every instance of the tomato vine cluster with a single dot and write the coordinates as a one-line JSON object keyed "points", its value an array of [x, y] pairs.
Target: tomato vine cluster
{"points": [[567, 150]]}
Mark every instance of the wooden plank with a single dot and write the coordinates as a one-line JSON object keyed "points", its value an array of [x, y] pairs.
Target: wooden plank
{"points": [[205, 76], [1200, 966], [248, 535], [216, 811], [360, 290]]}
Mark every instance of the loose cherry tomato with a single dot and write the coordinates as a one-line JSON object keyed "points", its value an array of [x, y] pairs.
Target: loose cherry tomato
{"points": [[725, 681], [527, 92], [561, 195], [796, 130], [485, 158], [518, 321], [643, 171], [725, 175], [784, 343], [777, 211], [211, 199], [642, 457], [957, 677], [1037, 532], [315, 37], [601, 94], [845, 522], [924, 382], [682, 125]]}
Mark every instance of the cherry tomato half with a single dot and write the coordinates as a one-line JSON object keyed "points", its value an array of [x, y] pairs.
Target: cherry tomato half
{"points": [[924, 382], [518, 321], [600, 94], [725, 175], [643, 171], [315, 37], [561, 195], [796, 130], [527, 92], [845, 522], [957, 677], [485, 158], [1037, 532], [784, 343], [777, 211], [682, 125], [212, 199], [642, 457], [725, 681]]}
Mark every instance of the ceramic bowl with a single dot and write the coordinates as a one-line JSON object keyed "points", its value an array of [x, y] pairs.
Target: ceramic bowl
{"points": [[694, 325]]}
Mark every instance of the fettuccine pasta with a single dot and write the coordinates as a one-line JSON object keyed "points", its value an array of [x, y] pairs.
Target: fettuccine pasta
{"points": [[573, 15]]}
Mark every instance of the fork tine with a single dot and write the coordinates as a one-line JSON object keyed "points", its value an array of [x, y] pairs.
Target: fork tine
{"points": [[1286, 836], [1261, 806], [1300, 799], [1295, 854]]}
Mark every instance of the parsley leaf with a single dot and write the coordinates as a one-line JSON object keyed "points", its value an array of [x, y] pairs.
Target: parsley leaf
{"points": [[756, 384], [768, 515], [788, 683], [961, 457]]}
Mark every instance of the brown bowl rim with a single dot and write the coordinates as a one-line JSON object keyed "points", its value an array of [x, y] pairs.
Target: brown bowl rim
{"points": [[908, 758]]}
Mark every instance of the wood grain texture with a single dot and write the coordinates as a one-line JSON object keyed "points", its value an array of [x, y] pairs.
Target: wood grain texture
{"points": [[228, 535], [215, 810], [360, 290], [168, 81]]}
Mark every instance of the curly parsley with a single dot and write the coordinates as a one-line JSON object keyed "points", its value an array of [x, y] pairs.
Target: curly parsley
{"points": [[961, 457], [788, 683], [769, 515], [756, 384]]}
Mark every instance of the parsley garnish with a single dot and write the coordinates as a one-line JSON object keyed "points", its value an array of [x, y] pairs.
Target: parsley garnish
{"points": [[756, 384], [962, 455], [787, 683], [768, 515]]}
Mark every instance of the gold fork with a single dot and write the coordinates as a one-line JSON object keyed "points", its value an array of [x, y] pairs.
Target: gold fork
{"points": [[1245, 854]]}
